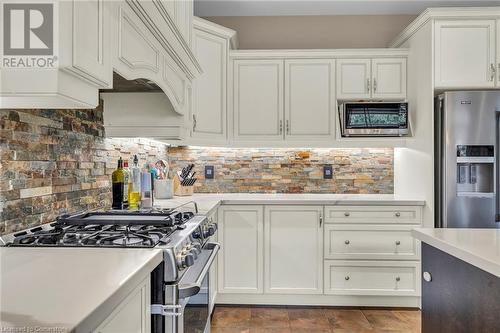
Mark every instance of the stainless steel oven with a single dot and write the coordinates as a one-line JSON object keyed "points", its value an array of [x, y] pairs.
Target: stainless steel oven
{"points": [[185, 303], [364, 119]]}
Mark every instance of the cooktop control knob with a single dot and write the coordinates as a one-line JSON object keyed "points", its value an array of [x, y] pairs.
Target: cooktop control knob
{"points": [[196, 248], [196, 234], [188, 260]]}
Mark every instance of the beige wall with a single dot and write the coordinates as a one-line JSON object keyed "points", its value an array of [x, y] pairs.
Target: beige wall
{"points": [[314, 32]]}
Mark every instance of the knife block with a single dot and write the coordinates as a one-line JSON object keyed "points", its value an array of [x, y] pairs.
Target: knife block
{"points": [[182, 191]]}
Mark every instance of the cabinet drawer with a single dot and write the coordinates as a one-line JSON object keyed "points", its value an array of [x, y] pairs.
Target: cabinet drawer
{"points": [[369, 242], [381, 278], [373, 214]]}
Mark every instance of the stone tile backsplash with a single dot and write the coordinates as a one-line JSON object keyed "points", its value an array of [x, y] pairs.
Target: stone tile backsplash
{"points": [[285, 170], [58, 161]]}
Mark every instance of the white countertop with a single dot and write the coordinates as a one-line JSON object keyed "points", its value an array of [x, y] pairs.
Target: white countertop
{"points": [[207, 203], [71, 289], [478, 247]]}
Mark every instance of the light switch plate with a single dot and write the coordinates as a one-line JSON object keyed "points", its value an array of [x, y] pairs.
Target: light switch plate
{"points": [[209, 172], [327, 172]]}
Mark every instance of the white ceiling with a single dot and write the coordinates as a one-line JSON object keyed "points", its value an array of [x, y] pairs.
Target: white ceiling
{"points": [[325, 7]]}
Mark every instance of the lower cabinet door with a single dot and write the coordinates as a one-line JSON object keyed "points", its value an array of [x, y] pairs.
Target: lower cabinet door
{"points": [[212, 277], [293, 249], [240, 234], [372, 278], [133, 314]]}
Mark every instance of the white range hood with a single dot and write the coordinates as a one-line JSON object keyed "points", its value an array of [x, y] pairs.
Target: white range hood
{"points": [[142, 114]]}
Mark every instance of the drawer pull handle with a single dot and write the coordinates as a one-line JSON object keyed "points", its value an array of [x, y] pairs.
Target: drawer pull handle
{"points": [[347, 242], [347, 214], [398, 243], [398, 214], [347, 278], [427, 277], [398, 278]]}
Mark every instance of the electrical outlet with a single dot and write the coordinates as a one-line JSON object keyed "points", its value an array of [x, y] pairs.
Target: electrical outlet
{"points": [[209, 172], [327, 172]]}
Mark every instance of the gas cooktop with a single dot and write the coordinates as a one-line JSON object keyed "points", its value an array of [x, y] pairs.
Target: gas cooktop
{"points": [[139, 229]]}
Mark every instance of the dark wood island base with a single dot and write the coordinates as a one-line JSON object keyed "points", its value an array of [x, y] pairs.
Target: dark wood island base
{"points": [[459, 296]]}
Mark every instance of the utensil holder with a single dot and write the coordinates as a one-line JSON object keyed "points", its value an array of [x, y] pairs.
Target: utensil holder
{"points": [[180, 190], [164, 189]]}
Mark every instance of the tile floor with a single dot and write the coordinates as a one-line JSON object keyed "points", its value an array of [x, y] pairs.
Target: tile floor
{"points": [[313, 320]]}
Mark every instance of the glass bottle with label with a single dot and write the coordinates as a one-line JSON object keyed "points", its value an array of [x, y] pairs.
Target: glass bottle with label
{"points": [[134, 193], [126, 182], [118, 180]]}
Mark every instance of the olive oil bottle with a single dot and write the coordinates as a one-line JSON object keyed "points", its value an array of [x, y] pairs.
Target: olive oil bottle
{"points": [[118, 181], [134, 188]]}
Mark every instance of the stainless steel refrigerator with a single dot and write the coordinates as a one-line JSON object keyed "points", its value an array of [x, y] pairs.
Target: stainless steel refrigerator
{"points": [[467, 159]]}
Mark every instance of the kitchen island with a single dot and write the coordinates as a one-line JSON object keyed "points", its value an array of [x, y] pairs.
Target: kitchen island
{"points": [[74, 290], [461, 280]]}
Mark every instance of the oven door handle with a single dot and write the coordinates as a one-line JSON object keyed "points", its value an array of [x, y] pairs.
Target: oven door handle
{"points": [[190, 283]]}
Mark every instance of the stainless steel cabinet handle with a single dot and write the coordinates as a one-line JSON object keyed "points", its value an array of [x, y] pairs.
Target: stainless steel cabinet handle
{"points": [[281, 126], [347, 278], [427, 276], [320, 220], [398, 243], [493, 71], [374, 85], [398, 278], [397, 214], [368, 84], [347, 242], [194, 122], [347, 214], [287, 127]]}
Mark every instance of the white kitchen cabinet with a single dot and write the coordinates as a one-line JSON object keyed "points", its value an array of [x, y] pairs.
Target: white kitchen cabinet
{"points": [[372, 278], [211, 45], [258, 100], [353, 79], [80, 58], [389, 78], [310, 99], [89, 54], [133, 314], [464, 54], [293, 255], [212, 275], [378, 78], [240, 268]]}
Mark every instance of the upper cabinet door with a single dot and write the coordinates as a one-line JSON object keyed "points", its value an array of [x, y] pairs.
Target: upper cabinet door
{"points": [[309, 99], [353, 79], [293, 249], [209, 90], [465, 54], [389, 78], [258, 100], [90, 45]]}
